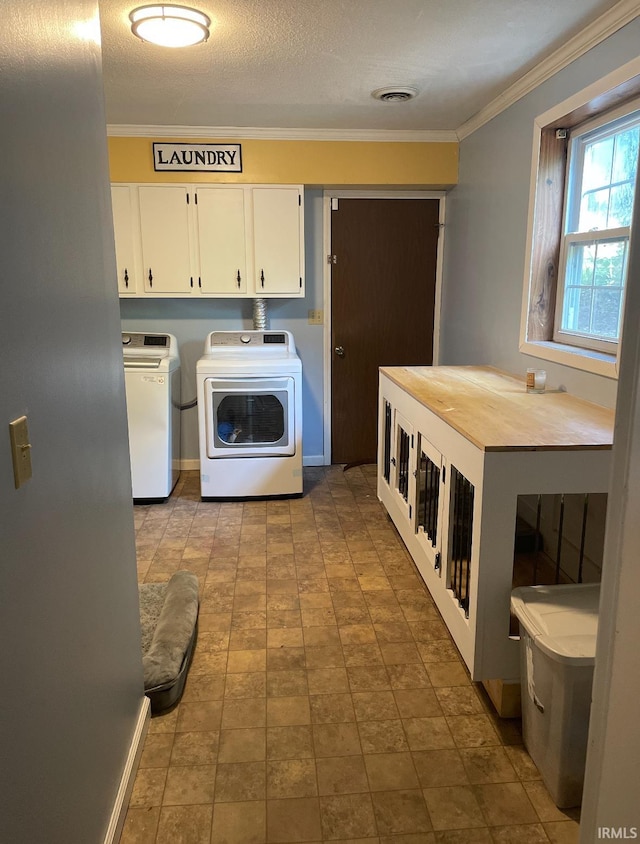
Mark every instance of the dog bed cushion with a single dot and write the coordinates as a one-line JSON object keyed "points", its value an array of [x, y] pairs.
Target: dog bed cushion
{"points": [[168, 615]]}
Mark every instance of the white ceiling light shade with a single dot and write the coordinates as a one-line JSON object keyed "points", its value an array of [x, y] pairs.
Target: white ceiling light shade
{"points": [[394, 94], [169, 25]]}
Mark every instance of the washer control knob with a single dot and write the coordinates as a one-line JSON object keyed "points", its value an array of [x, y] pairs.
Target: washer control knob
{"points": [[126, 339], [245, 338]]}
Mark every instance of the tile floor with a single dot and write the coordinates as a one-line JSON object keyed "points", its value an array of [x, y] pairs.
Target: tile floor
{"points": [[326, 700]]}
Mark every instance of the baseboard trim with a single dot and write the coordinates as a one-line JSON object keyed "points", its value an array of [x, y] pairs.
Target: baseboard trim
{"points": [[119, 811], [188, 465], [313, 460]]}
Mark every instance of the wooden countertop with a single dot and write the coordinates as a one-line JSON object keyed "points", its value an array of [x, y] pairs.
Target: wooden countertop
{"points": [[493, 410]]}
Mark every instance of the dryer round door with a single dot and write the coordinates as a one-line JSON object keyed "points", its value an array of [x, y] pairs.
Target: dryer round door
{"points": [[250, 417]]}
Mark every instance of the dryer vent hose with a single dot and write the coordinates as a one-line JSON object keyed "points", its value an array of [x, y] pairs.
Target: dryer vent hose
{"points": [[260, 321]]}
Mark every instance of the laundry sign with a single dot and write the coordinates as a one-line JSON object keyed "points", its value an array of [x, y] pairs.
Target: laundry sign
{"points": [[209, 158]]}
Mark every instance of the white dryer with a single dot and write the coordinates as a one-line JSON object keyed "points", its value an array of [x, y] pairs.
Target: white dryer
{"points": [[250, 415], [152, 382]]}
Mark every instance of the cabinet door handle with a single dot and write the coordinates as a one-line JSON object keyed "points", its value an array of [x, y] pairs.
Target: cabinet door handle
{"points": [[238, 279], [199, 281], [150, 278], [191, 281], [262, 278], [126, 277]]}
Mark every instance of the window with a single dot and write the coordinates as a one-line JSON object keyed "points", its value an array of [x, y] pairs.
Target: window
{"points": [[602, 166], [583, 168]]}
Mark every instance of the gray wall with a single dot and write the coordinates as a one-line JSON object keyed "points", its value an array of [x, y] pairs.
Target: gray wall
{"points": [[613, 758], [487, 226], [190, 321], [71, 666]]}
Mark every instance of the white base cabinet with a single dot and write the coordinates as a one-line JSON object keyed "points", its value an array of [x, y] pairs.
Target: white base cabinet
{"points": [[457, 446], [209, 240]]}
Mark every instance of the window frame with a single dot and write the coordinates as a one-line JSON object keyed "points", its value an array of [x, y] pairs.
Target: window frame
{"points": [[607, 124], [546, 197]]}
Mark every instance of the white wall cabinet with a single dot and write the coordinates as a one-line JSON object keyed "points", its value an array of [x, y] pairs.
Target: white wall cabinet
{"points": [[457, 446], [123, 228], [165, 241], [276, 226], [222, 225], [209, 240]]}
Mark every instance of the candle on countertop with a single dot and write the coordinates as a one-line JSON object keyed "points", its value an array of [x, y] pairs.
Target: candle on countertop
{"points": [[536, 380]]}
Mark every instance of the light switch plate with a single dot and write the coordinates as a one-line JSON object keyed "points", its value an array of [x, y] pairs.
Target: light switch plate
{"points": [[316, 316], [20, 450]]}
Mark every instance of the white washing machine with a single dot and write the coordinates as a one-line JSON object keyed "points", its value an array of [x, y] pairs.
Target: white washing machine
{"points": [[152, 382], [250, 415]]}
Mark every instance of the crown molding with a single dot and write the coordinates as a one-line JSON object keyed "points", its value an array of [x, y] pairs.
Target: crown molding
{"points": [[599, 30], [593, 34], [252, 132]]}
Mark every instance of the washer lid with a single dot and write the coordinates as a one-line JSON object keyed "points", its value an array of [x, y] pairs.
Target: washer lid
{"points": [[562, 620], [151, 362], [149, 350]]}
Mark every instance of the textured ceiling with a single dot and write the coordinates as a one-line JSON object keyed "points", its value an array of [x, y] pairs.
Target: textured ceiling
{"points": [[312, 64]]}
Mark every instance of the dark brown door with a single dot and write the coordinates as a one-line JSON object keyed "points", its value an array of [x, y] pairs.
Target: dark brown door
{"points": [[382, 308]]}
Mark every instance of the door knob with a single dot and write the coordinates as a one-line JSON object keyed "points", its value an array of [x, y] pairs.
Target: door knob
{"points": [[339, 350]]}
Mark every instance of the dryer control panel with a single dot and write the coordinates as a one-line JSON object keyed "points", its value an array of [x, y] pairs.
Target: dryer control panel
{"points": [[248, 338], [254, 341]]}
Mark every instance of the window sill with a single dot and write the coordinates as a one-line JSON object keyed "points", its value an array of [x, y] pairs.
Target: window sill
{"points": [[597, 363]]}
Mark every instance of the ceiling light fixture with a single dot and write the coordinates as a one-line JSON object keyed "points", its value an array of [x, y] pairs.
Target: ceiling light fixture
{"points": [[394, 94], [170, 26]]}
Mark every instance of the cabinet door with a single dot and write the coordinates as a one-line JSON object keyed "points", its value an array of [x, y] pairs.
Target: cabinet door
{"points": [[403, 463], [385, 426], [121, 203], [430, 501], [164, 229], [277, 239], [459, 574], [222, 240]]}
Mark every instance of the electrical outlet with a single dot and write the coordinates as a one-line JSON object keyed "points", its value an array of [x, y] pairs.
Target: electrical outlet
{"points": [[316, 316]]}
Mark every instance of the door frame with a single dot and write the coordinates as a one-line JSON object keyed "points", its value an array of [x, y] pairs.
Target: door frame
{"points": [[328, 195]]}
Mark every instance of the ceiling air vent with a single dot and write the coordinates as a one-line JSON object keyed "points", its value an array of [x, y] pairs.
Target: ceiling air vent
{"points": [[394, 95]]}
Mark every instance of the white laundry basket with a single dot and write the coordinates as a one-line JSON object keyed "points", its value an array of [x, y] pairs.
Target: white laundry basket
{"points": [[558, 629]]}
